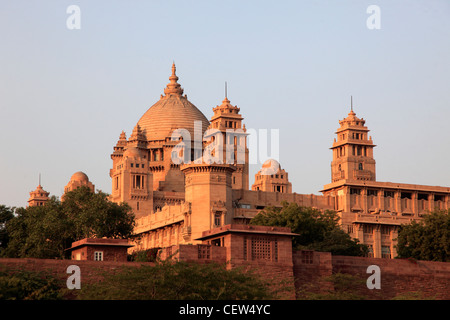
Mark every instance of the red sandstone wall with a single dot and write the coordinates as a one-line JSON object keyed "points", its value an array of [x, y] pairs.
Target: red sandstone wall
{"points": [[91, 271], [309, 271], [190, 253], [400, 276]]}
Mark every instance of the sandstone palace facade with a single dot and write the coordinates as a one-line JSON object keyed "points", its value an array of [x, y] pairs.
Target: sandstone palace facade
{"points": [[175, 201]]}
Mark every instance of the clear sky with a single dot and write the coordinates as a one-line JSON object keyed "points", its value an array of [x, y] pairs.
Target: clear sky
{"points": [[65, 95]]}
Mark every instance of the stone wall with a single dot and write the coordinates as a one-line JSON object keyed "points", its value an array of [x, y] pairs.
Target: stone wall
{"points": [[313, 273], [91, 271], [399, 277], [310, 272]]}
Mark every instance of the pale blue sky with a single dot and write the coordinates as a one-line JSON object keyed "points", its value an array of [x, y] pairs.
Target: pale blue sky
{"points": [[65, 95]]}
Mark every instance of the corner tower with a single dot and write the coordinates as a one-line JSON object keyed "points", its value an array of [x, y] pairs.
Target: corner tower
{"points": [[132, 181], [353, 151]]}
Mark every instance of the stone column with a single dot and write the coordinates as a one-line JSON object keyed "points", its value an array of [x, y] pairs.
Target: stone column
{"points": [[364, 204], [397, 202], [381, 200], [415, 203], [377, 241], [394, 236]]}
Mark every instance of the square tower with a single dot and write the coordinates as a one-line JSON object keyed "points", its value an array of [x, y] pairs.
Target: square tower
{"points": [[353, 151]]}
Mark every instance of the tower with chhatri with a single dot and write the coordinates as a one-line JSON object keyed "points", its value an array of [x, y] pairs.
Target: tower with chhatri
{"points": [[228, 131], [353, 151], [38, 197]]}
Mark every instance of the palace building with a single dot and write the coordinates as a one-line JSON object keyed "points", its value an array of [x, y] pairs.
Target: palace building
{"points": [[371, 211], [183, 175]]}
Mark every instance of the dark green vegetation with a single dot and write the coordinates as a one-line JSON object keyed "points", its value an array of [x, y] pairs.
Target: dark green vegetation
{"points": [[44, 232], [168, 280], [26, 285], [163, 280], [428, 239]]}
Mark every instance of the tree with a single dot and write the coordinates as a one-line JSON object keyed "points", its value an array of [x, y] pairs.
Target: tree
{"points": [[6, 214], [93, 214], [46, 231], [28, 285], [317, 230], [428, 239]]}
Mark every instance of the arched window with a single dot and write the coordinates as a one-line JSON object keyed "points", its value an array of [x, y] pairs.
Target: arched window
{"points": [[360, 166]]}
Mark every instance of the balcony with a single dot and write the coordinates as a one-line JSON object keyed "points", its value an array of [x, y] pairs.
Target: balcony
{"points": [[186, 233]]}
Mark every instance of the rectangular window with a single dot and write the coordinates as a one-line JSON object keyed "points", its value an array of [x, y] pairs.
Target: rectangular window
{"points": [[385, 252], [405, 195], [204, 251], [385, 230], [355, 191], [138, 181], [367, 228], [371, 192], [422, 196], [389, 194], [218, 219], [370, 251], [350, 228], [98, 256], [261, 249]]}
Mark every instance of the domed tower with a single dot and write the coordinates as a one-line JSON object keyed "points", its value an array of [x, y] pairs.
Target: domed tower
{"points": [[272, 178], [77, 180], [352, 151]]}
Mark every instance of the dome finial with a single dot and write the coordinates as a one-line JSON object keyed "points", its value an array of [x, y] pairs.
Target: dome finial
{"points": [[173, 87]]}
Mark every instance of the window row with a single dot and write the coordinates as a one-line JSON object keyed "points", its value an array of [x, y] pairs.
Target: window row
{"points": [[403, 195]]}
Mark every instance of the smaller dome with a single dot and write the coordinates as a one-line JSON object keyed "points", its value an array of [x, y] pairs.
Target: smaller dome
{"points": [[270, 166], [79, 176], [132, 152]]}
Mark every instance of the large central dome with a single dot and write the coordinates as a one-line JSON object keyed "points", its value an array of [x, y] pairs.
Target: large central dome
{"points": [[172, 111]]}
